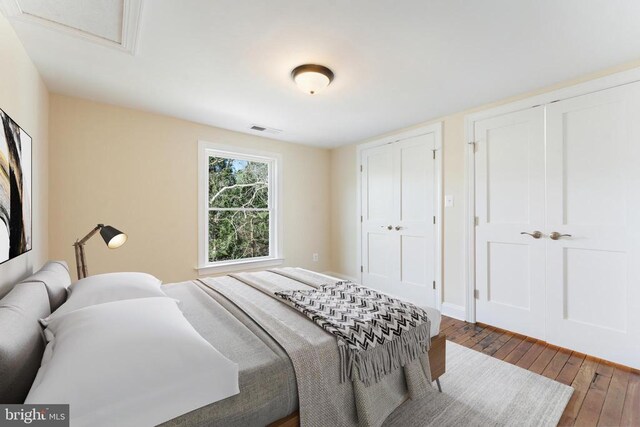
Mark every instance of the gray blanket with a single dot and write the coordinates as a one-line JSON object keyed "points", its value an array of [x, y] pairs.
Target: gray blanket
{"points": [[323, 398]]}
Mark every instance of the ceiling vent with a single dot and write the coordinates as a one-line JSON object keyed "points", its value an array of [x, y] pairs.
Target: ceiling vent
{"points": [[265, 129], [112, 23]]}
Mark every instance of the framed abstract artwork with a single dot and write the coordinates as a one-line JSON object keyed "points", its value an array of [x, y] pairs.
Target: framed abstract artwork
{"points": [[15, 189]]}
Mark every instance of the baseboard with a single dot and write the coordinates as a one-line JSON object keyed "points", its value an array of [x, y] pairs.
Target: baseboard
{"points": [[453, 310], [340, 276]]}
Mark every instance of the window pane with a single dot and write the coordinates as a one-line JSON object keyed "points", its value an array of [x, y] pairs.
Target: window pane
{"points": [[238, 235], [237, 183]]}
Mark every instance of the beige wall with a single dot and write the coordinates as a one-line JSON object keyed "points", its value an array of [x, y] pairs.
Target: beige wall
{"points": [[344, 178], [344, 259], [24, 97], [138, 172]]}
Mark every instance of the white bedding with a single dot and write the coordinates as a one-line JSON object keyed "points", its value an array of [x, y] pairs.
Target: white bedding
{"points": [[435, 317], [130, 363], [107, 287]]}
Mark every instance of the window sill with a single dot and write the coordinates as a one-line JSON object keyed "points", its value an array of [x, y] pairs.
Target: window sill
{"points": [[238, 266]]}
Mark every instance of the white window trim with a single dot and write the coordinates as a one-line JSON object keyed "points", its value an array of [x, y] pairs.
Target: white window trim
{"points": [[205, 149]]}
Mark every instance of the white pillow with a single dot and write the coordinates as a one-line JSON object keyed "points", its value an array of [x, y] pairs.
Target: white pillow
{"points": [[108, 287], [136, 362]]}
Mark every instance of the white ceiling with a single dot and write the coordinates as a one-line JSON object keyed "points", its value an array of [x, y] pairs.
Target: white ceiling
{"points": [[227, 63]]}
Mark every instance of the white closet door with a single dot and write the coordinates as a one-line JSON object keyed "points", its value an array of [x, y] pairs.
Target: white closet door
{"points": [[593, 190], [398, 209], [380, 257], [414, 224], [510, 200]]}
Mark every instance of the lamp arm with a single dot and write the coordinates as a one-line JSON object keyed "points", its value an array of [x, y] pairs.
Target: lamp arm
{"points": [[81, 263], [89, 235]]}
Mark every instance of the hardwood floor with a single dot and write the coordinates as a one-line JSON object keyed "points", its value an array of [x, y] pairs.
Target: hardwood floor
{"points": [[605, 394]]}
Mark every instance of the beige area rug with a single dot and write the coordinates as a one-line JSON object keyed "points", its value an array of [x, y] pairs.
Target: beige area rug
{"points": [[479, 390]]}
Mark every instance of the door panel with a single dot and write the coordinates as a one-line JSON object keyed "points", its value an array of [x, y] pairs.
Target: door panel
{"points": [[415, 171], [507, 173], [380, 252], [380, 256], [414, 269], [593, 295], [416, 180], [591, 171], [379, 181], [586, 300], [510, 200], [509, 275]]}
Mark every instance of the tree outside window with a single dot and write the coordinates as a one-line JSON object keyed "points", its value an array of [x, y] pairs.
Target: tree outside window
{"points": [[239, 209]]}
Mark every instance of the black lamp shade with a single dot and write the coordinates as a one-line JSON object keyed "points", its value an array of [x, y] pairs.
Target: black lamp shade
{"points": [[112, 237]]}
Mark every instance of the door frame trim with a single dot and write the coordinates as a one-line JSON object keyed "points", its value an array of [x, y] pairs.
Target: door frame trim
{"points": [[436, 129], [595, 85]]}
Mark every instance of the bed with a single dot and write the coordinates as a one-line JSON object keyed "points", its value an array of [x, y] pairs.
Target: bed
{"points": [[226, 311]]}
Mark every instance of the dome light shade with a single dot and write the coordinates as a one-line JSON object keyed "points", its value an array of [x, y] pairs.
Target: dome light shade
{"points": [[311, 78], [112, 237]]}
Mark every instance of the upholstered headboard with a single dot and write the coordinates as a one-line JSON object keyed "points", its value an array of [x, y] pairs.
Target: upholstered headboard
{"points": [[54, 275], [22, 341]]}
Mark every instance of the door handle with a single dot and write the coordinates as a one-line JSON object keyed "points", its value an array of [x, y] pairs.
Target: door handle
{"points": [[555, 235], [398, 228], [536, 234], [388, 227]]}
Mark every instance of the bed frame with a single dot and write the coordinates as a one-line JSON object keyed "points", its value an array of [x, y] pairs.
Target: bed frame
{"points": [[437, 362]]}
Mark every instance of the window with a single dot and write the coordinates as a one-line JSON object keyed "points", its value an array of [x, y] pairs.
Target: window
{"points": [[238, 208]]}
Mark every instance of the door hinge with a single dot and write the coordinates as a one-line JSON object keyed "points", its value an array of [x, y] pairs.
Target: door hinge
{"points": [[476, 221], [361, 269], [360, 168], [434, 154], [434, 285], [434, 219], [361, 218], [476, 293]]}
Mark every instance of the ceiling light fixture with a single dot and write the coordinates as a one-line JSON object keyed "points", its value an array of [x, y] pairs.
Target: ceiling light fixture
{"points": [[311, 78]]}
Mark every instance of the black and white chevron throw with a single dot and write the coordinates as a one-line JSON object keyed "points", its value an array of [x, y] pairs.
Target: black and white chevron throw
{"points": [[376, 333]]}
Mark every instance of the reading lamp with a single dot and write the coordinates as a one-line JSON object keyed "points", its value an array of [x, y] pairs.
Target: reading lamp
{"points": [[112, 237]]}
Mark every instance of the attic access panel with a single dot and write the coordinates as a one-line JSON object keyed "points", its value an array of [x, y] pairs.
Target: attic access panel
{"points": [[112, 23]]}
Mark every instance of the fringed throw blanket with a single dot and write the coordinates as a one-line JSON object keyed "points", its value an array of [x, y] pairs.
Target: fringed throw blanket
{"points": [[376, 333]]}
